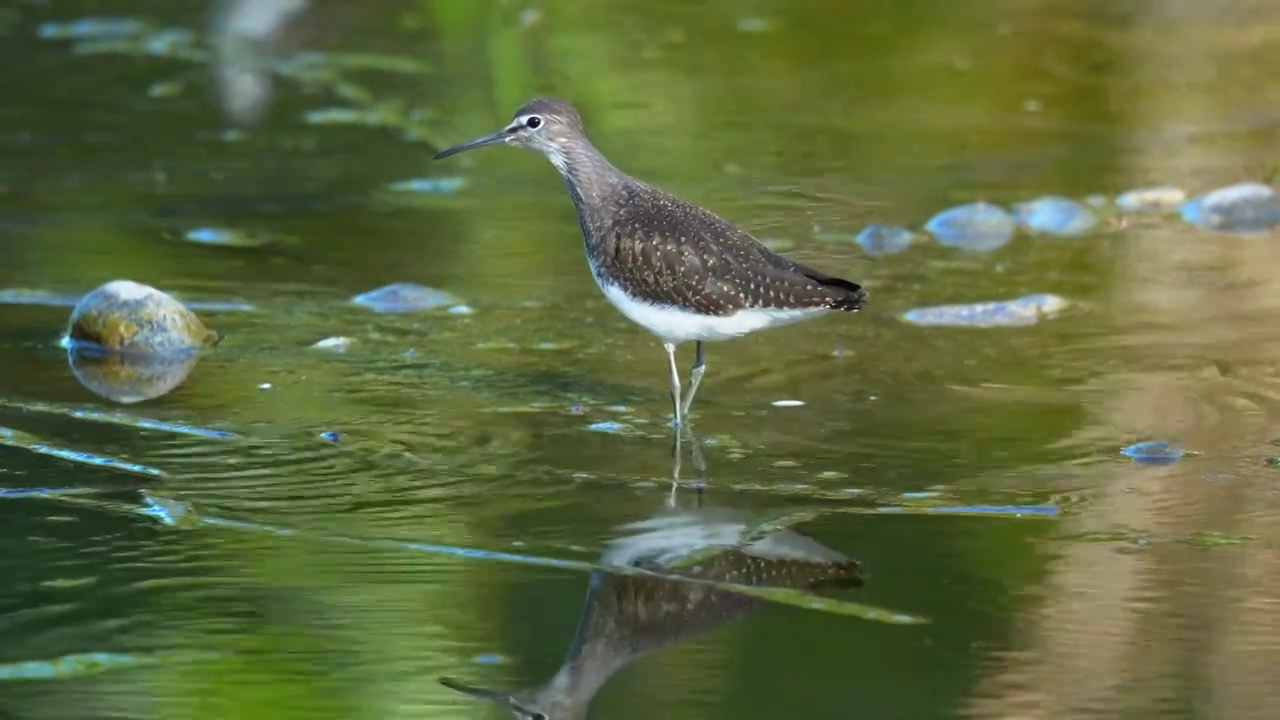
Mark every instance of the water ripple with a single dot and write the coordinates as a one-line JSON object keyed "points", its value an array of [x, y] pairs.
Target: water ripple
{"points": [[165, 509], [115, 418], [26, 441]]}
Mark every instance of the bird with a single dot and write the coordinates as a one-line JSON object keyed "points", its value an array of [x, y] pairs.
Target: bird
{"points": [[676, 269]]}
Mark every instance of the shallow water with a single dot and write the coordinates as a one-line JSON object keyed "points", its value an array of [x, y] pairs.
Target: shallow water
{"points": [[295, 531]]}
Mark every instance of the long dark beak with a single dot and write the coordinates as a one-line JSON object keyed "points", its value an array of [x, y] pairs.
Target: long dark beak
{"points": [[490, 139], [480, 693]]}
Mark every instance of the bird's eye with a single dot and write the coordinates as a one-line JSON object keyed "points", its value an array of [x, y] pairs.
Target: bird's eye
{"points": [[533, 123]]}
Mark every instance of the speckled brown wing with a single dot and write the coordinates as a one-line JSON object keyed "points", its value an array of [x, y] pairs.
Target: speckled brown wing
{"points": [[671, 252]]}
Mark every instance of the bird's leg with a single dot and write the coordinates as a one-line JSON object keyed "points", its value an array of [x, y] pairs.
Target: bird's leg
{"points": [[675, 381], [699, 465], [675, 469], [695, 378]]}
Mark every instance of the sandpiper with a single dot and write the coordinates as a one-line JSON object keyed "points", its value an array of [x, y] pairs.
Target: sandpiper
{"points": [[679, 271]]}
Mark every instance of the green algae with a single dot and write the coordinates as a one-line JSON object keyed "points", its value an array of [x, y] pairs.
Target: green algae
{"points": [[123, 315]]}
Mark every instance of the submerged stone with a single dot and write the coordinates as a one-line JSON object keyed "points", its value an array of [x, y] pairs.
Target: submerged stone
{"points": [[227, 237], [91, 28], [334, 344], [612, 427], [978, 227], [429, 185], [880, 240], [1153, 452], [68, 666], [175, 43], [1244, 207], [1164, 198], [1057, 216], [126, 316], [404, 297], [364, 117], [1023, 311]]}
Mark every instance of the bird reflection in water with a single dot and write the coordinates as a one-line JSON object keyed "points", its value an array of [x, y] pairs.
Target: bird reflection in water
{"points": [[626, 617]]}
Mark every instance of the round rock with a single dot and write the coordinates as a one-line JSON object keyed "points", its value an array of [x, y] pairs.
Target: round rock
{"points": [[1018, 312], [881, 240], [978, 226], [1242, 208], [228, 237], [1153, 452], [404, 297], [1164, 198], [127, 316], [1056, 216]]}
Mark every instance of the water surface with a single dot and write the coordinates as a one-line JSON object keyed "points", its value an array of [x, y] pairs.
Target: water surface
{"points": [[480, 462]]}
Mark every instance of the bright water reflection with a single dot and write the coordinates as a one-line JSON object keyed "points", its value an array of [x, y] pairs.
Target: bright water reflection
{"points": [[294, 531]]}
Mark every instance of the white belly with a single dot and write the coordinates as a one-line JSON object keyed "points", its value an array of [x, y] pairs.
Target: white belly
{"points": [[674, 325]]}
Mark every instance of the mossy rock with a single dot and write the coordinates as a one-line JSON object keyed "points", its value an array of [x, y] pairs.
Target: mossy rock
{"points": [[126, 316]]}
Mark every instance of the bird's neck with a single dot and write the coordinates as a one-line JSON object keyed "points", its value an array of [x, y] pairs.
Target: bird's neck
{"points": [[592, 181]]}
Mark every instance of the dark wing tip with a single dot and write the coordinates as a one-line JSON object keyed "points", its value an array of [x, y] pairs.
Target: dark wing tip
{"points": [[851, 296]]}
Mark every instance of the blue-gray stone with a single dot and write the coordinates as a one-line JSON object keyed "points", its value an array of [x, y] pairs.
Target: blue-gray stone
{"points": [[609, 426], [489, 659], [1244, 207], [1057, 216], [978, 227], [404, 298], [429, 185], [91, 28], [336, 344], [1153, 452], [879, 240], [227, 237], [207, 235], [1026, 310], [1164, 198]]}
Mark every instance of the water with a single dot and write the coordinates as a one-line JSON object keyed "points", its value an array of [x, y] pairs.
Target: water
{"points": [[479, 464]]}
